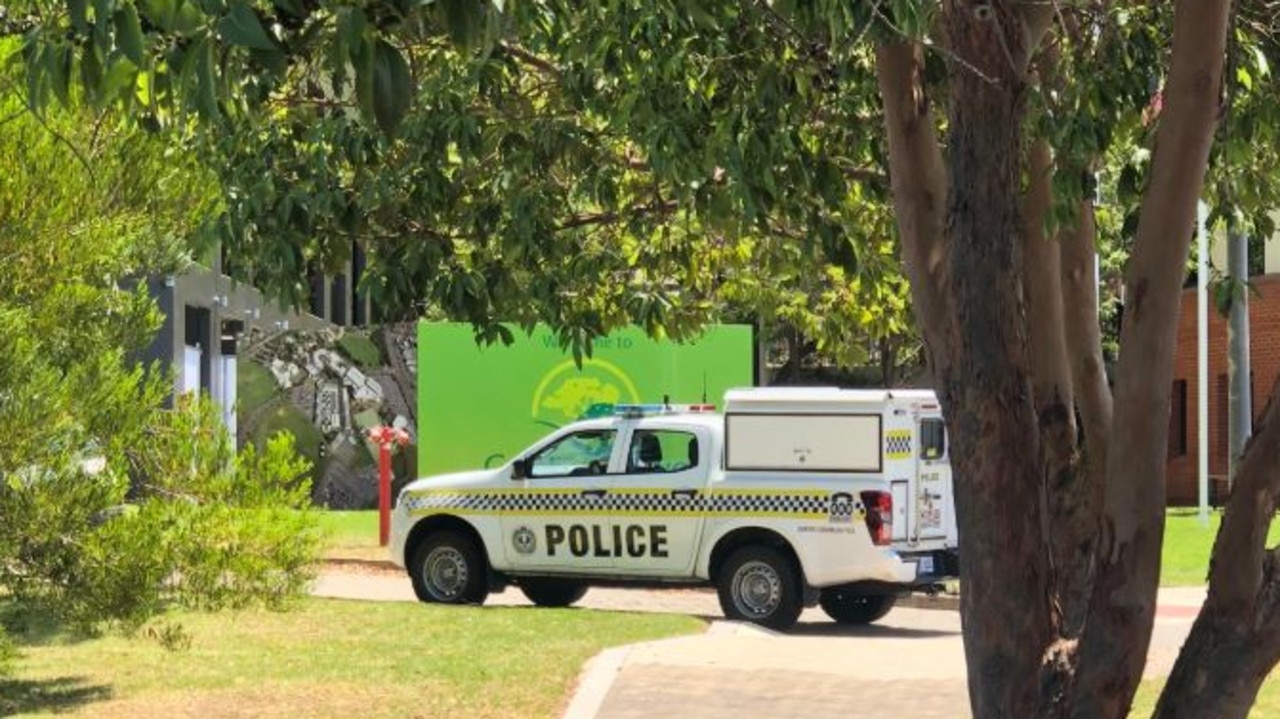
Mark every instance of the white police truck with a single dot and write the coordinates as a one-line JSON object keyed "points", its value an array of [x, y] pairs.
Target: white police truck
{"points": [[792, 497]]}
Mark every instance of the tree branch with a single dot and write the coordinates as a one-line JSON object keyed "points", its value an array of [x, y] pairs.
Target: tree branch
{"points": [[1084, 338], [1235, 575], [665, 207], [1073, 501], [544, 66], [1114, 645], [919, 182], [1041, 262]]}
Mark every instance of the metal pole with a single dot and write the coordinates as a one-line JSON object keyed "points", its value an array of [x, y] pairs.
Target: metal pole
{"points": [[1240, 400], [384, 491], [1202, 355]]}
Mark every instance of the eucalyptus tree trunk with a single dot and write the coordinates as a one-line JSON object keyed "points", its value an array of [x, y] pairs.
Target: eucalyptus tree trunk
{"points": [[1061, 543]]}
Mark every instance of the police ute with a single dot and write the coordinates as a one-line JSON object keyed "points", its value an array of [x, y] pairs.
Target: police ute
{"points": [[789, 498]]}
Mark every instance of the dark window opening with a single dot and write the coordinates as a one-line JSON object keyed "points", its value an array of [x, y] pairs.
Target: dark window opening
{"points": [[1178, 419], [933, 439]]}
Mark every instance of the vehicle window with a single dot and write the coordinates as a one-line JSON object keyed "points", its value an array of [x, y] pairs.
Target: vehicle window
{"points": [[581, 453], [661, 450], [933, 439]]}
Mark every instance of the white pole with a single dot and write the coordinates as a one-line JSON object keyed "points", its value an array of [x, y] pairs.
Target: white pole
{"points": [[1202, 353]]}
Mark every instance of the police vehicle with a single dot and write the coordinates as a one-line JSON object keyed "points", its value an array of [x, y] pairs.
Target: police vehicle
{"points": [[790, 498]]}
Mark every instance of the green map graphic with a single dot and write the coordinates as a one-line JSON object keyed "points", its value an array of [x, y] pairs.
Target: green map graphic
{"points": [[573, 396]]}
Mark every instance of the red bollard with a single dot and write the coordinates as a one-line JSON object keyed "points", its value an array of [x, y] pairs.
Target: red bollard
{"points": [[385, 438]]}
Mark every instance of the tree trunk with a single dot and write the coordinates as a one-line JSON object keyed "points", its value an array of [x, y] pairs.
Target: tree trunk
{"points": [[1219, 670], [1113, 647], [888, 362], [986, 383], [1071, 517]]}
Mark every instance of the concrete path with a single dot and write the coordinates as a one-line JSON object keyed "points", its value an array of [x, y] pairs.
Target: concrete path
{"points": [[910, 664]]}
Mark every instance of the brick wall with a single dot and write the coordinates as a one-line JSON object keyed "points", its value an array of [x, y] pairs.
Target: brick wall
{"points": [[1264, 353]]}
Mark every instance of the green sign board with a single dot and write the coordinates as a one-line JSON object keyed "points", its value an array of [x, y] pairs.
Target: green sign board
{"points": [[478, 406]]}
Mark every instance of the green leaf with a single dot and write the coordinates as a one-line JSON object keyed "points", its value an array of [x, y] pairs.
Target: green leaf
{"points": [[206, 88], [59, 62], [91, 70], [1244, 78], [120, 78], [701, 18], [241, 27], [129, 34], [79, 11], [462, 19], [392, 87], [292, 7]]}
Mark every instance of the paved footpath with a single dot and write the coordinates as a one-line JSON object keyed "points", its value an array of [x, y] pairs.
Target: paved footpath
{"points": [[910, 664]]}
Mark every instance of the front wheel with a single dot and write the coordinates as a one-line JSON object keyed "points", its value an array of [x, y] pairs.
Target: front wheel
{"points": [[552, 592], [449, 568], [761, 585], [849, 608]]}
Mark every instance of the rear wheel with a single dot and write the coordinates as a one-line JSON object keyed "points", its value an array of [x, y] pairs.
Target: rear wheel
{"points": [[449, 568], [761, 585], [850, 608], [547, 592]]}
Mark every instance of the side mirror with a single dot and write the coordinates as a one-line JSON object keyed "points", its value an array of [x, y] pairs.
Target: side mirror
{"points": [[520, 468]]}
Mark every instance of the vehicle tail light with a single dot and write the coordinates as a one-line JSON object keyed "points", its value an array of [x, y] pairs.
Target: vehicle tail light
{"points": [[879, 506]]}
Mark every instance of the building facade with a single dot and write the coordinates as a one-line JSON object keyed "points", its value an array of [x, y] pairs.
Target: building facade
{"points": [[1182, 475]]}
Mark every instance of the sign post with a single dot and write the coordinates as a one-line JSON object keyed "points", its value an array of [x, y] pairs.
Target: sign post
{"points": [[386, 438]]}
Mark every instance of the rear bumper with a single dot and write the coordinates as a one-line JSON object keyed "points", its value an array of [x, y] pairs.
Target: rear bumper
{"points": [[933, 567]]}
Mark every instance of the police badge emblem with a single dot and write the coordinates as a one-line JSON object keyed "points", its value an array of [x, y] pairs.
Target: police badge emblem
{"points": [[524, 540]]}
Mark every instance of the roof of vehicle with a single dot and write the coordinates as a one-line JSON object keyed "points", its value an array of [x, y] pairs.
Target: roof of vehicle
{"points": [[776, 399], [687, 419]]}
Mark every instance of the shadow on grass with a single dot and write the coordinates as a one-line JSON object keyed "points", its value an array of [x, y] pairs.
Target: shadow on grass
{"points": [[60, 694]]}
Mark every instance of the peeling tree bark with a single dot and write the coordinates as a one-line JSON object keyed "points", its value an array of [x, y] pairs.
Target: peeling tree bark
{"points": [[1114, 645]]}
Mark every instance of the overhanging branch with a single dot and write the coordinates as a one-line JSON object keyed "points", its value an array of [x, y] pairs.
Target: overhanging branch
{"points": [[608, 218]]}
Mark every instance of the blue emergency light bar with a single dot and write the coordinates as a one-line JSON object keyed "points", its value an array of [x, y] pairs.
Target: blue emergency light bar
{"points": [[641, 410]]}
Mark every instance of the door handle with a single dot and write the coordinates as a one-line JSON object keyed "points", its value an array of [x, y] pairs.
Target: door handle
{"points": [[686, 493], [597, 493]]}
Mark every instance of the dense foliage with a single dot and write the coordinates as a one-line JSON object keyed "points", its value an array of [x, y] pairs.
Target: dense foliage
{"points": [[115, 507]]}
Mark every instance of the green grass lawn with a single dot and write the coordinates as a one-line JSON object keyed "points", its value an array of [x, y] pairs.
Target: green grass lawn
{"points": [[360, 349], [351, 534], [332, 658], [1187, 546], [255, 386], [1267, 706]]}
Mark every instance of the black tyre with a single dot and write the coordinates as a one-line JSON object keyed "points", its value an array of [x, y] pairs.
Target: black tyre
{"points": [[449, 568], [850, 608], [547, 592], [761, 585]]}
